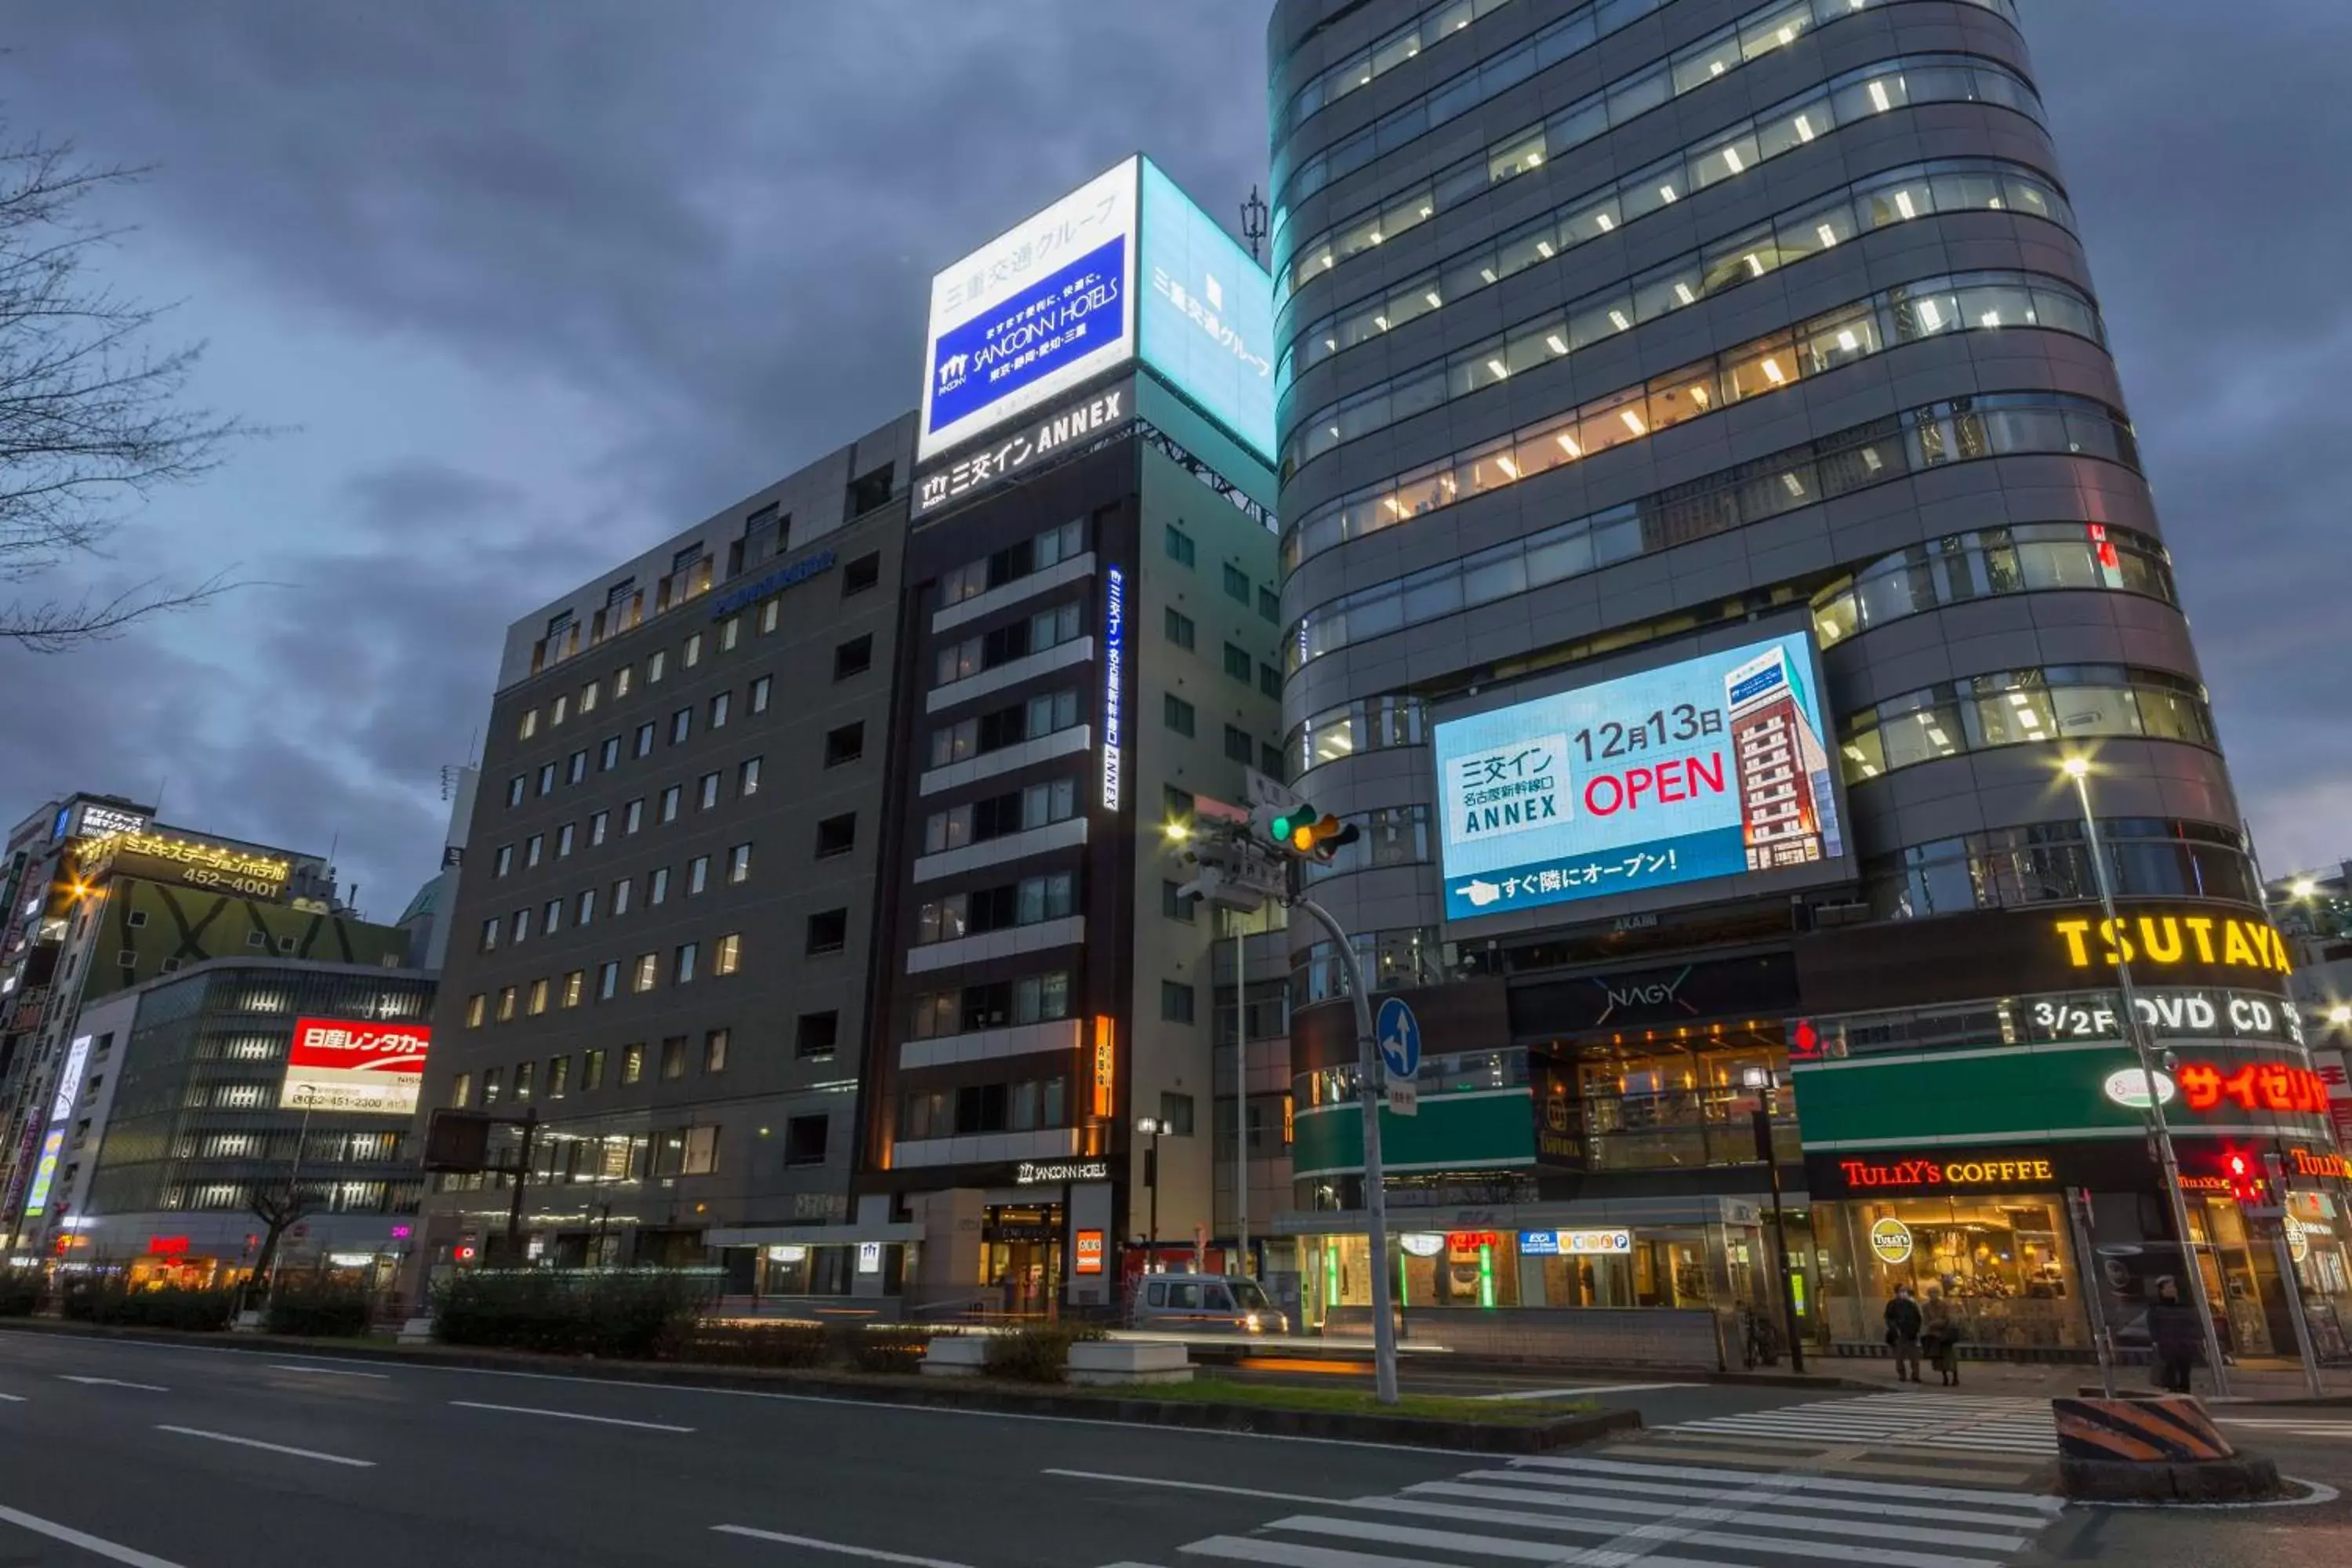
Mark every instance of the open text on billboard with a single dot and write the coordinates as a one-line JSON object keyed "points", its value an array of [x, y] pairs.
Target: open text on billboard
{"points": [[1711, 767]]}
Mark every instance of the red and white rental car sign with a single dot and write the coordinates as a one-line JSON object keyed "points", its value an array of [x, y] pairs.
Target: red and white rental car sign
{"points": [[353, 1064]]}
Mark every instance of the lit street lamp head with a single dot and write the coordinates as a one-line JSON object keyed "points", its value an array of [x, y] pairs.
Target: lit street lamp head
{"points": [[2077, 767], [1150, 1125], [2303, 887]]}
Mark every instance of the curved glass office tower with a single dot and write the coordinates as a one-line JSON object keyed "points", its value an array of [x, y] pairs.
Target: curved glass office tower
{"points": [[1710, 519]]}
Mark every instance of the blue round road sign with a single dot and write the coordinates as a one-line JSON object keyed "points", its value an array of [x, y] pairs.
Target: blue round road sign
{"points": [[1398, 1034]]}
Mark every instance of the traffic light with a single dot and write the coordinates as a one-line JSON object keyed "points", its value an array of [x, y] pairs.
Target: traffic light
{"points": [[1302, 831], [2245, 1186]]}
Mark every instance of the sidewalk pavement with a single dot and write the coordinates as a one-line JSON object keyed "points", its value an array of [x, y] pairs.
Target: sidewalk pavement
{"points": [[2255, 1380]]}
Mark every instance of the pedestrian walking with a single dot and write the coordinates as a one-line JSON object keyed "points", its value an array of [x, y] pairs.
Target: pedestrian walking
{"points": [[1940, 1336], [2179, 1338], [1903, 1325]]}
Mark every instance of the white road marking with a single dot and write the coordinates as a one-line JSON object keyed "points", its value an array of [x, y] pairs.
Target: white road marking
{"points": [[113, 1382], [1886, 1490], [1575, 1487], [570, 1415], [846, 1549], [12, 1399], [422, 1364], [329, 1371], [1735, 1509], [272, 1448], [91, 1544], [1195, 1487], [1585, 1388]]}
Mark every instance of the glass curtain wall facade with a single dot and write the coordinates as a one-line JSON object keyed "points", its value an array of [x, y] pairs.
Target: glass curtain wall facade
{"points": [[1606, 330]]}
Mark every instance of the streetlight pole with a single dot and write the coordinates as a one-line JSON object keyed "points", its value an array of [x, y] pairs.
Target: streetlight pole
{"points": [[2136, 1031], [1376, 1204], [1241, 1099], [1153, 1126]]}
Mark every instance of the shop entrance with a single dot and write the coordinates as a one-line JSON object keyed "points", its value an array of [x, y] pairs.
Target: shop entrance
{"points": [[1020, 1257], [2004, 1263]]}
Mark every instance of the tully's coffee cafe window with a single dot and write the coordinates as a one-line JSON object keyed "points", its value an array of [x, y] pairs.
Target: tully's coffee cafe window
{"points": [[1989, 1234]]}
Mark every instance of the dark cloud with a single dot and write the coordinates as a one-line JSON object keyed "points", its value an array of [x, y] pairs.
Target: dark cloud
{"points": [[709, 229]]}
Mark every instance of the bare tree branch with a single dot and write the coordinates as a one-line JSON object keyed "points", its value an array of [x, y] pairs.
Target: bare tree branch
{"points": [[91, 419]]}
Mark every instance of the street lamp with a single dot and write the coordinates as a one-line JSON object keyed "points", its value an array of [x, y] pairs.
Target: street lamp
{"points": [[1153, 1127], [2078, 769]]}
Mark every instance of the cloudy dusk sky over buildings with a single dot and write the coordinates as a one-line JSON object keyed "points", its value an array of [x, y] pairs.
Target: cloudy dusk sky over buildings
{"points": [[522, 290]]}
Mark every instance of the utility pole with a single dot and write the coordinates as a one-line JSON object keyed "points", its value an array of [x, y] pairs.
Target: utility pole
{"points": [[2135, 1030], [1240, 1097], [1243, 861]]}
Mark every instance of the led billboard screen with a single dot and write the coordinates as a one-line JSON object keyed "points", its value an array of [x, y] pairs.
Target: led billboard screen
{"points": [[1712, 767], [1205, 313], [1044, 306], [352, 1064]]}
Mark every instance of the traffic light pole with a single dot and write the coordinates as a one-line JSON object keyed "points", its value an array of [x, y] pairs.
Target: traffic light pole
{"points": [[1368, 1090]]}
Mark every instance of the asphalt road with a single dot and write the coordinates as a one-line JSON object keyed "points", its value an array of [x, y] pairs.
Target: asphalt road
{"points": [[216, 1456], [164, 1456]]}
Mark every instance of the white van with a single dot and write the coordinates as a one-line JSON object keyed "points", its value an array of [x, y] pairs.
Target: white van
{"points": [[1206, 1303]]}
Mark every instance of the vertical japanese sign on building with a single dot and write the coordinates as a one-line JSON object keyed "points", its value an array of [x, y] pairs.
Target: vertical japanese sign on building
{"points": [[1044, 306], [61, 1107], [1114, 715], [1711, 767], [355, 1065]]}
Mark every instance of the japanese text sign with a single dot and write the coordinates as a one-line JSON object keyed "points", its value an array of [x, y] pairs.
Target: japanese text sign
{"points": [[1707, 768], [355, 1065]]}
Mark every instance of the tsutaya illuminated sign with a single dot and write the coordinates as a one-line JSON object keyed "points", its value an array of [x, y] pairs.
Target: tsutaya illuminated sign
{"points": [[1114, 672], [2157, 941]]}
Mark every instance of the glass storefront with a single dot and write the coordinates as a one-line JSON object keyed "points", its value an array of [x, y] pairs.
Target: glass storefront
{"points": [[2315, 1240], [2004, 1262], [1710, 1266]]}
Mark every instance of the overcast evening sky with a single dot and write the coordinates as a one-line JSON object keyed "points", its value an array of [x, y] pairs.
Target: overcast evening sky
{"points": [[531, 286]]}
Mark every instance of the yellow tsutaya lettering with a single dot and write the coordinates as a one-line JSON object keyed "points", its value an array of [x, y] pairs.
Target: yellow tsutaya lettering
{"points": [[2075, 952], [2202, 928], [2165, 951], [2119, 947], [2234, 949], [2278, 959]]}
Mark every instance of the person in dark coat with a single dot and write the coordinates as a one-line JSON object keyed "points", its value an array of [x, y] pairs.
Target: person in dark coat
{"points": [[1939, 1335], [1903, 1333], [2179, 1338]]}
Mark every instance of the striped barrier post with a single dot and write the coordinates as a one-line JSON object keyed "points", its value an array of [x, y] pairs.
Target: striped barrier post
{"points": [[2160, 1449]]}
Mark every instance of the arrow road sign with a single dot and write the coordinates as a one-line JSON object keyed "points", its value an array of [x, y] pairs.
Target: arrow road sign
{"points": [[1397, 1033]]}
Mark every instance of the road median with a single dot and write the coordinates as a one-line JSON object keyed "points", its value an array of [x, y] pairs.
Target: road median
{"points": [[1347, 1414]]}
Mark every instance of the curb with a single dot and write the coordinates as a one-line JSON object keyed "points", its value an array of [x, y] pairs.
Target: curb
{"points": [[1403, 1430]]}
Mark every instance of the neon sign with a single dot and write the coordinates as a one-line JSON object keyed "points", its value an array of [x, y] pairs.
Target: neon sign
{"points": [[1114, 667], [2163, 940], [1945, 1173], [2257, 1086]]}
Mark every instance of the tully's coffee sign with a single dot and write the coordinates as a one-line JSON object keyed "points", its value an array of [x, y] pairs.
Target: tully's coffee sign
{"points": [[1896, 1175]]}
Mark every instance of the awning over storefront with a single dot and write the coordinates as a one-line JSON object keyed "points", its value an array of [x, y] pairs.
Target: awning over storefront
{"points": [[1706, 1209], [812, 1235]]}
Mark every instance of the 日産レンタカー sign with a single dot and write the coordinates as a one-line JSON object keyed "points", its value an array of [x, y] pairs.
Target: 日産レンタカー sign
{"points": [[355, 1065]]}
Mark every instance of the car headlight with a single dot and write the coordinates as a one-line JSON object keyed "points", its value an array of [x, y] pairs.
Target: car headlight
{"points": [[1253, 1320]]}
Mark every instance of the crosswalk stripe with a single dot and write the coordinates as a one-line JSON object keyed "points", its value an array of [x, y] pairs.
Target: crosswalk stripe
{"points": [[1295, 1554], [1734, 1509], [1575, 1486], [1682, 1533], [1806, 1483]]}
